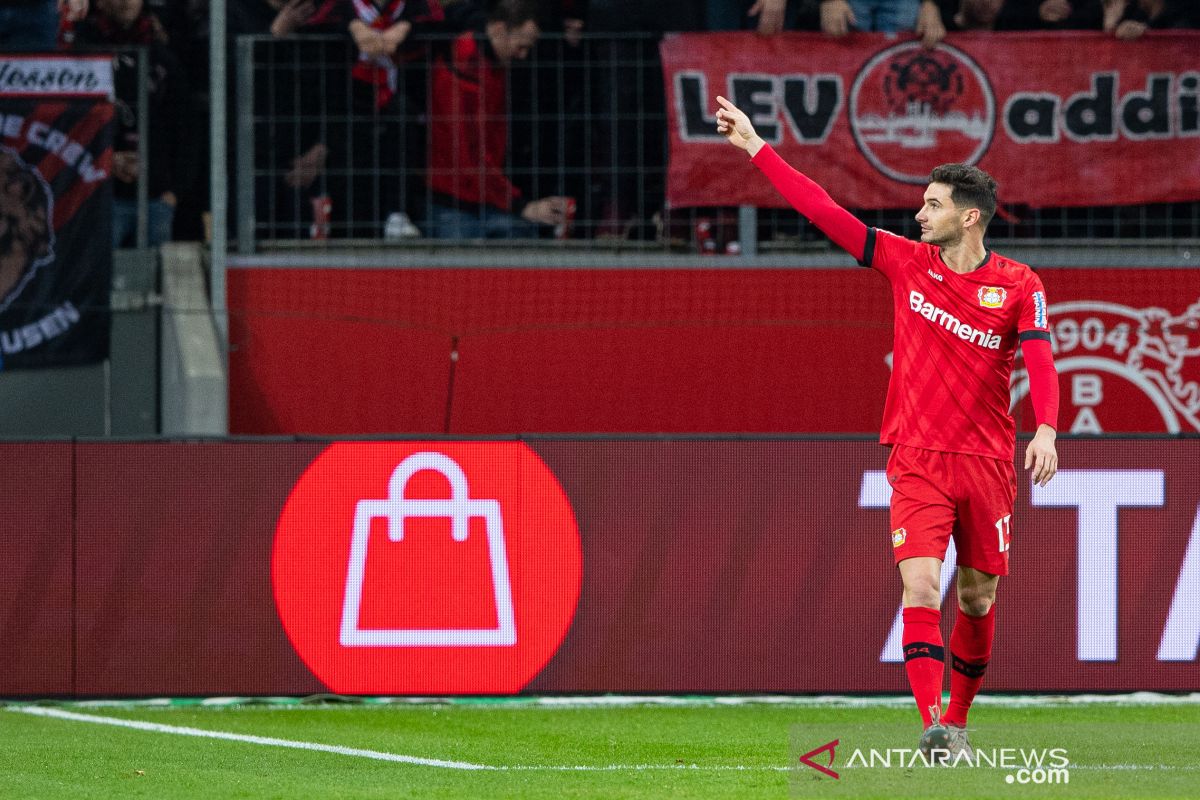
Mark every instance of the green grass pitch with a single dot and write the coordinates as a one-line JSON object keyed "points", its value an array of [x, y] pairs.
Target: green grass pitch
{"points": [[678, 749]]}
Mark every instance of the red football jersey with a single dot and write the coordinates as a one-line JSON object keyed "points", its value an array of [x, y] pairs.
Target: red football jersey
{"points": [[955, 337]]}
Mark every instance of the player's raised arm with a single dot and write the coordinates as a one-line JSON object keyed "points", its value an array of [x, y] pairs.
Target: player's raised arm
{"points": [[842, 227]]}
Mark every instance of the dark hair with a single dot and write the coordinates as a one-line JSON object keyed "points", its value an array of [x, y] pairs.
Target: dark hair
{"points": [[970, 187], [513, 13]]}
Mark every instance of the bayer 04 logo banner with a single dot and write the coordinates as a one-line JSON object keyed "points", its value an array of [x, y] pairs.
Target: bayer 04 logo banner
{"points": [[870, 116], [56, 118]]}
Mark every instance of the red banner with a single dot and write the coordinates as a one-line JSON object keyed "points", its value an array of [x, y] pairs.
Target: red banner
{"points": [[1058, 119], [462, 351]]}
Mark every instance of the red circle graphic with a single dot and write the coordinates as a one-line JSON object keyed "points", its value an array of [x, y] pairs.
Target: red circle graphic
{"points": [[426, 567], [912, 109]]}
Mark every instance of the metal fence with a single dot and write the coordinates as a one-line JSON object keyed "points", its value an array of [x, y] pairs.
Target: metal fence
{"points": [[316, 157]]}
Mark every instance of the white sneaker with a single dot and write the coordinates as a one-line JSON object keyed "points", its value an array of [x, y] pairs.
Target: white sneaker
{"points": [[399, 226], [935, 741], [935, 744], [959, 743]]}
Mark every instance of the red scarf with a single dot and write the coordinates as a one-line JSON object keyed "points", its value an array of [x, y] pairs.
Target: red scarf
{"points": [[379, 71]]}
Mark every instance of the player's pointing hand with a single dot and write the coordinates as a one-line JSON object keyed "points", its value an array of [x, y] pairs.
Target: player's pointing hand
{"points": [[734, 125]]}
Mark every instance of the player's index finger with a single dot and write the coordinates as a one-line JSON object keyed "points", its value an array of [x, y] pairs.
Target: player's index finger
{"points": [[726, 104]]}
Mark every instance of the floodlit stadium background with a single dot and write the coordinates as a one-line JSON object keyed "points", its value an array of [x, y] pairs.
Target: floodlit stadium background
{"points": [[671, 400]]}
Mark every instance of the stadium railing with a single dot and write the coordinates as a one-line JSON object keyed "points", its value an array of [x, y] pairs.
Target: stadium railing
{"points": [[586, 122]]}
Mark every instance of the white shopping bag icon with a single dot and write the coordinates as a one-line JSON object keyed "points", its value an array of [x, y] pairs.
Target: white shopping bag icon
{"points": [[459, 508]]}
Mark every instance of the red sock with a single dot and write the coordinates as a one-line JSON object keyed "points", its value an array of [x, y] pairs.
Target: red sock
{"points": [[923, 657], [970, 649]]}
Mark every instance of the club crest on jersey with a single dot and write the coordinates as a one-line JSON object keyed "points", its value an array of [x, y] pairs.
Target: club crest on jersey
{"points": [[992, 296], [898, 537]]}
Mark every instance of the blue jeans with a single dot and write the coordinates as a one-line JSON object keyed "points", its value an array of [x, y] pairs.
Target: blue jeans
{"points": [[487, 223], [886, 16], [159, 217], [29, 27]]}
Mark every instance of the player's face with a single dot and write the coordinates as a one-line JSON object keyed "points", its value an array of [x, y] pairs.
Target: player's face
{"points": [[941, 223]]}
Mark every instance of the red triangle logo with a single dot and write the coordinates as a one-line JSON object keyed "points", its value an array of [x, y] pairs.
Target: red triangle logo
{"points": [[806, 759]]}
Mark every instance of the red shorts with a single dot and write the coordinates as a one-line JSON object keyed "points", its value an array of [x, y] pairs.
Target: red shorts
{"points": [[937, 495]]}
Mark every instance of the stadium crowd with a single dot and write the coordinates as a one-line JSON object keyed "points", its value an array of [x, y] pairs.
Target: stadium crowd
{"points": [[444, 71]]}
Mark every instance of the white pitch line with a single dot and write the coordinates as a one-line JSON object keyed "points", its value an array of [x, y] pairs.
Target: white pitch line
{"points": [[641, 768], [154, 727], [179, 730], [378, 755]]}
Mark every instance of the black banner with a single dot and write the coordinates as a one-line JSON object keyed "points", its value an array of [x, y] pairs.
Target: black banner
{"points": [[55, 215]]}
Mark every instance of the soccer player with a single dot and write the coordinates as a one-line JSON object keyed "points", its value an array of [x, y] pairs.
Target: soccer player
{"points": [[960, 311]]}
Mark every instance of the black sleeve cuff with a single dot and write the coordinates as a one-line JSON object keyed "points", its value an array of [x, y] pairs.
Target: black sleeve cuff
{"points": [[1043, 335], [868, 249]]}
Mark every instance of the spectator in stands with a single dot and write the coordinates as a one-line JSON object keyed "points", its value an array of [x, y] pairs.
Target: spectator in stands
{"points": [[970, 15], [32, 25], [1137, 17], [178, 20], [551, 156], [281, 19], [565, 17], [767, 17], [292, 155], [117, 24], [184, 22], [571, 13], [472, 195], [389, 98], [923, 17], [1030, 15], [1022, 15], [629, 131]]}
